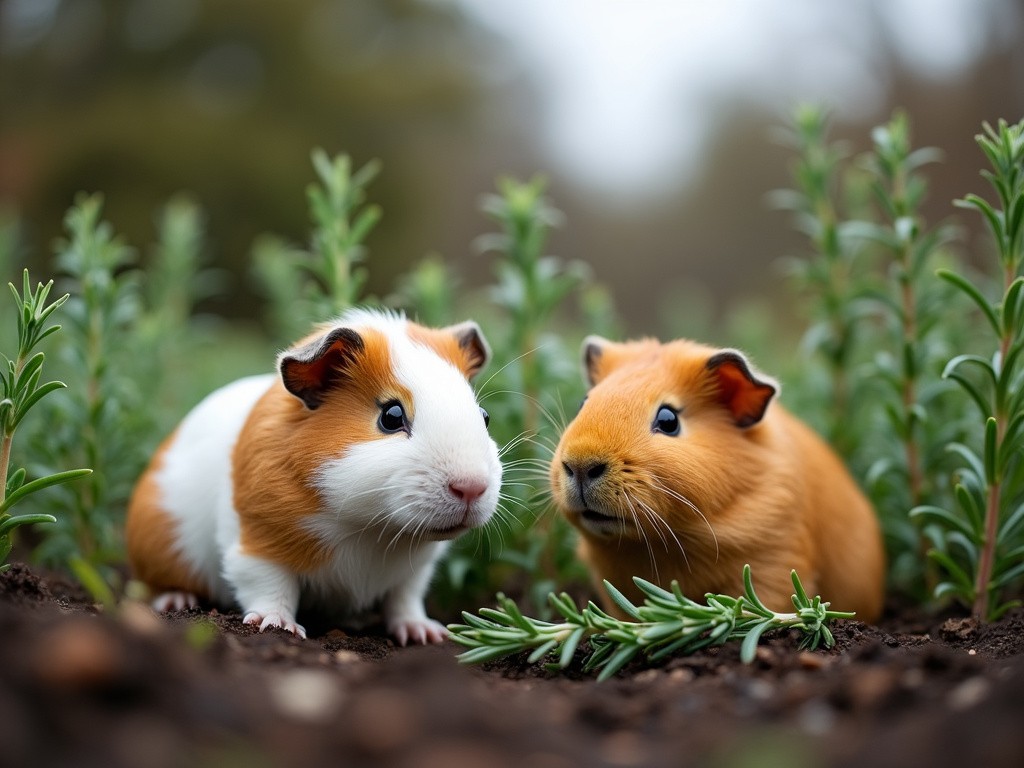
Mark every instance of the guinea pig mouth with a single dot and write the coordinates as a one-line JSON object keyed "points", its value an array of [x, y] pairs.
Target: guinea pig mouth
{"points": [[592, 516], [443, 534]]}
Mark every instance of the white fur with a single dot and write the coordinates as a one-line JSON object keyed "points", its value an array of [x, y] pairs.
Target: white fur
{"points": [[386, 504], [195, 478]]}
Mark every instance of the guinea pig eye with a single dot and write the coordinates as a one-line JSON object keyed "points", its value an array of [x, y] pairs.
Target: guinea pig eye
{"points": [[666, 421], [487, 417], [392, 418]]}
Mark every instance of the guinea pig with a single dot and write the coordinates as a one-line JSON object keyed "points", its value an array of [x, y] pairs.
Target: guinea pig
{"points": [[339, 480], [680, 465]]}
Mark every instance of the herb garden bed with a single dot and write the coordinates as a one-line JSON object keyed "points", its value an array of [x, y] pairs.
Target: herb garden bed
{"points": [[83, 688]]}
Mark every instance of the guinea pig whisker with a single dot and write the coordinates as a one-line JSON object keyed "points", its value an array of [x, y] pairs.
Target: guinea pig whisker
{"points": [[528, 461], [353, 495], [490, 378], [558, 423], [394, 513], [545, 443], [516, 484], [503, 517], [514, 443], [519, 503], [527, 472], [679, 497], [643, 535], [401, 531], [658, 520]]}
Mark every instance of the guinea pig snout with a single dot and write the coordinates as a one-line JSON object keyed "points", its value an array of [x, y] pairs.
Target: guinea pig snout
{"points": [[584, 474], [467, 490]]}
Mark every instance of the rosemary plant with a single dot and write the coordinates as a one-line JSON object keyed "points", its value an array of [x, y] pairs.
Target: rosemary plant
{"points": [[829, 275], [103, 423], [905, 457], [524, 398], [980, 546], [21, 389], [309, 286], [428, 291], [667, 623]]}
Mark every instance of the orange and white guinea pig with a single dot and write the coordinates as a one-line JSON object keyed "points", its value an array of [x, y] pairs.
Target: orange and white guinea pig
{"points": [[680, 466], [338, 480]]}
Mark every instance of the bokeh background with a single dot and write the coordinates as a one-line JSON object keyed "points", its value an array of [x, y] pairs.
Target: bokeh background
{"points": [[653, 121]]}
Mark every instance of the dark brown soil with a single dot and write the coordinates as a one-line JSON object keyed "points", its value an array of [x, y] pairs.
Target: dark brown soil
{"points": [[82, 688]]}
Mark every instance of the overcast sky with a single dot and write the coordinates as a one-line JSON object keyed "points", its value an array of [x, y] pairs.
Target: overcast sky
{"points": [[629, 88]]}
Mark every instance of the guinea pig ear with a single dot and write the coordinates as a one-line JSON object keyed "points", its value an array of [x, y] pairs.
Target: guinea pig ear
{"points": [[593, 353], [310, 370], [745, 395], [476, 352]]}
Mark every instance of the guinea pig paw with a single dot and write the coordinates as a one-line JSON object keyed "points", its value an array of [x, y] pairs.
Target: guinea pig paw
{"points": [[419, 631], [274, 619], [174, 601]]}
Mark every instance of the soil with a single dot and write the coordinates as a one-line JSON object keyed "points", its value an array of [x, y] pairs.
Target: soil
{"points": [[84, 687]]}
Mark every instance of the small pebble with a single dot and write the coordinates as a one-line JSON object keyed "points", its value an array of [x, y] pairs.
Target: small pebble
{"points": [[816, 717], [681, 675], [647, 676], [306, 694], [344, 656], [968, 694], [809, 660], [140, 618]]}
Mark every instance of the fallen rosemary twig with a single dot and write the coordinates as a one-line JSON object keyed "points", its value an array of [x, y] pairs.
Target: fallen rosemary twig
{"points": [[667, 623]]}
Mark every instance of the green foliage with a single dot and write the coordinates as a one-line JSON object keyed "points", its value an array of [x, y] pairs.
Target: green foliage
{"points": [[429, 290], [22, 390], [524, 396], [127, 350], [829, 276], [979, 544], [103, 422], [916, 412], [881, 324], [667, 623], [318, 284], [888, 322]]}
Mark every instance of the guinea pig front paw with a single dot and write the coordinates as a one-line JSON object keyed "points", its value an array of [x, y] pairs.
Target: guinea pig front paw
{"points": [[275, 619], [419, 631], [174, 601]]}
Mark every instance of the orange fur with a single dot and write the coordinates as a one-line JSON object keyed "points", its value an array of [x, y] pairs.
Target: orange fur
{"points": [[283, 444], [772, 494], [465, 351], [153, 550], [277, 455]]}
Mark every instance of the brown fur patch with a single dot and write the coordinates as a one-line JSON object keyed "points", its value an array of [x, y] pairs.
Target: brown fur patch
{"points": [[151, 537], [447, 346], [283, 445]]}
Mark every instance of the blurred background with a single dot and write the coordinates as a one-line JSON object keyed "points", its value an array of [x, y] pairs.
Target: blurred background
{"points": [[652, 120]]}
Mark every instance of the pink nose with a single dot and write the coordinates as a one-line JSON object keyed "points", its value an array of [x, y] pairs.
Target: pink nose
{"points": [[467, 491]]}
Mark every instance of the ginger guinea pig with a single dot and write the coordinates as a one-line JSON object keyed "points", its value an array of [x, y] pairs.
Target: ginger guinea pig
{"points": [[680, 466], [337, 481]]}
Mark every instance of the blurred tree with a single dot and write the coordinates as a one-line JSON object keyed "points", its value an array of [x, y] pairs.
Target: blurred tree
{"points": [[225, 98]]}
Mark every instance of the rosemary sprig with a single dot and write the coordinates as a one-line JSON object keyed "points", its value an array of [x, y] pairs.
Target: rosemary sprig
{"points": [[667, 623]]}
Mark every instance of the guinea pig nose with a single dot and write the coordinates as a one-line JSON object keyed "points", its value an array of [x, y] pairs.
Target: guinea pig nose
{"points": [[467, 491], [584, 472]]}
